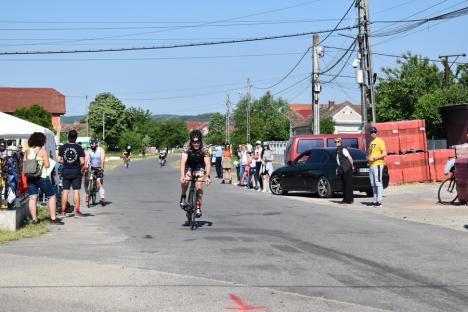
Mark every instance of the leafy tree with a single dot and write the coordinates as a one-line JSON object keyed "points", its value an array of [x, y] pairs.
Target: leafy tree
{"points": [[109, 108], [428, 107], [168, 133], [462, 75], [217, 128], [137, 119], [398, 92], [327, 125], [36, 114], [132, 138], [268, 120]]}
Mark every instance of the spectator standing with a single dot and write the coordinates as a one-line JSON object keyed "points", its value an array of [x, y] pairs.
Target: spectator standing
{"points": [[258, 162], [72, 156], [227, 164], [267, 167], [346, 167], [376, 154], [242, 163], [246, 176], [37, 151], [218, 153]]}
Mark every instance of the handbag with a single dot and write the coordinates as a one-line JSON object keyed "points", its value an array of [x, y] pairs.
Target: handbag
{"points": [[31, 167]]}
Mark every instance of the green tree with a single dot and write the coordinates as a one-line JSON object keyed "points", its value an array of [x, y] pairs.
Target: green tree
{"points": [[216, 128], [36, 114], [428, 107], [137, 119], [327, 125], [398, 92], [108, 109], [132, 138], [462, 75], [171, 133], [268, 119]]}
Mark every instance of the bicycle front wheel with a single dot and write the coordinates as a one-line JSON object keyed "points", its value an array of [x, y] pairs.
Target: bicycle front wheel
{"points": [[447, 192]]}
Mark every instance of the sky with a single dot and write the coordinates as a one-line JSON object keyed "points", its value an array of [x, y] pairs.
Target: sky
{"points": [[195, 80]]}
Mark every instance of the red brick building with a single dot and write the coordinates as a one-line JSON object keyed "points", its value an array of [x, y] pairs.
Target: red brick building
{"points": [[50, 99]]}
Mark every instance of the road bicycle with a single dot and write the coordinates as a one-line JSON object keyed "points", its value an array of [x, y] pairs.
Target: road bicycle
{"points": [[126, 162], [92, 187], [162, 162], [447, 193], [191, 207]]}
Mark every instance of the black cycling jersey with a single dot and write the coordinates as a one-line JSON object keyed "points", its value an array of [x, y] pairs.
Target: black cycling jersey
{"points": [[195, 158]]}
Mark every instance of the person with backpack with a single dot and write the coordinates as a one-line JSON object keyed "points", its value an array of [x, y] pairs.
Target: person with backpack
{"points": [[71, 155], [35, 165], [345, 170]]}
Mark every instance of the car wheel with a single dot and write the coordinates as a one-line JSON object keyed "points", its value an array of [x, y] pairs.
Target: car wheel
{"points": [[323, 187], [275, 186], [369, 193]]}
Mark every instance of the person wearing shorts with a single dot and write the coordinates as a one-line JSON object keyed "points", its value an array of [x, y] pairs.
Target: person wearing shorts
{"points": [[71, 155]]}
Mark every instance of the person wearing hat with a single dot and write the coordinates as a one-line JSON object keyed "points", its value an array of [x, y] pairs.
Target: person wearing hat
{"points": [[267, 167], [376, 154]]}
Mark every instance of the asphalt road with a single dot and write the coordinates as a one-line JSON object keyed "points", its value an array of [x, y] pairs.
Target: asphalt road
{"points": [[270, 252]]}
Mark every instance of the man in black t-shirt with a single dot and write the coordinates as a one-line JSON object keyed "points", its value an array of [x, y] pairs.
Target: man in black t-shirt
{"points": [[71, 155]]}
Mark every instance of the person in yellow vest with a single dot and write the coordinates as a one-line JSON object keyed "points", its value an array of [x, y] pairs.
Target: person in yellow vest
{"points": [[376, 154]]}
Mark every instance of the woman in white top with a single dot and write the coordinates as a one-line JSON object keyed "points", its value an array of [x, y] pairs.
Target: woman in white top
{"points": [[37, 151], [267, 167]]}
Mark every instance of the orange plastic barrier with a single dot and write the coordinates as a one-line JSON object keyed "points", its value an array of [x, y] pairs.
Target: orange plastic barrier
{"points": [[415, 167], [437, 160], [395, 169], [461, 177], [412, 135], [388, 131]]}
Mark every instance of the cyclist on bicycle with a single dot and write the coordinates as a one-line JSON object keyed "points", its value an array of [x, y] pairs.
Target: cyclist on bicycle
{"points": [[162, 156], [127, 154], [95, 159], [195, 161]]}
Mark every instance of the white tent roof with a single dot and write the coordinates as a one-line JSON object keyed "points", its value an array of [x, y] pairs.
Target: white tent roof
{"points": [[12, 127]]}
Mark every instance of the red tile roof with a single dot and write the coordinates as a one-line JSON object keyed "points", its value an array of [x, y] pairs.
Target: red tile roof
{"points": [[195, 124], [50, 99]]}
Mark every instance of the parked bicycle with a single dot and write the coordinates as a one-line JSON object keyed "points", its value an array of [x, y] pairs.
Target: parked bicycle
{"points": [[447, 193]]}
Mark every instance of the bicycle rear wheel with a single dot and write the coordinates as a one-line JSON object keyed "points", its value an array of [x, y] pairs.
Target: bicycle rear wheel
{"points": [[447, 192], [191, 203]]}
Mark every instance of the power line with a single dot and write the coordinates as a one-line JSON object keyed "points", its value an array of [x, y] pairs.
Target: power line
{"points": [[195, 44], [293, 85], [287, 75], [339, 22], [350, 49]]}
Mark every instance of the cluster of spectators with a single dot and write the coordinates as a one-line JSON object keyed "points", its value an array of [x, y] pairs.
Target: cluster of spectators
{"points": [[254, 166]]}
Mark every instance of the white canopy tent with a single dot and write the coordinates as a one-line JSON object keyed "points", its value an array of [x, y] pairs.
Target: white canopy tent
{"points": [[12, 127]]}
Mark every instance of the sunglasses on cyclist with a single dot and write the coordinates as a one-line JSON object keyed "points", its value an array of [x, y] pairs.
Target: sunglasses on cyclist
{"points": [[196, 142]]}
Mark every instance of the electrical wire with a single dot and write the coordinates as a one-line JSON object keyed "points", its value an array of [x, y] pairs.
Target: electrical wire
{"points": [[350, 49], [195, 44], [339, 22], [287, 75]]}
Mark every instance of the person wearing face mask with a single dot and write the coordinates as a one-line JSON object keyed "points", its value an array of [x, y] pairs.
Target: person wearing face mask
{"points": [[94, 161], [195, 160]]}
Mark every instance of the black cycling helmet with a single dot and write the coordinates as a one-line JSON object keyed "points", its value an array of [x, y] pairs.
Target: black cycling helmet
{"points": [[372, 130], [93, 140], [196, 134]]}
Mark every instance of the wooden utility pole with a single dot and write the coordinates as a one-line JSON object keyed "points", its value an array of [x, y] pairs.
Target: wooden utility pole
{"points": [[445, 61], [228, 116], [249, 86]]}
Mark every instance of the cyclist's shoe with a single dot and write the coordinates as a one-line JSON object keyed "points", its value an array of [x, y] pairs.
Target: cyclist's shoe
{"points": [[377, 204], [183, 204], [198, 213], [103, 202], [186, 223]]}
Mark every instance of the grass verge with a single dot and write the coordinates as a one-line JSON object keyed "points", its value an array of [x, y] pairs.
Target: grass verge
{"points": [[29, 230]]}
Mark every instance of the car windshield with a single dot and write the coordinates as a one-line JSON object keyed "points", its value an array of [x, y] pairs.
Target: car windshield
{"points": [[306, 144], [346, 142]]}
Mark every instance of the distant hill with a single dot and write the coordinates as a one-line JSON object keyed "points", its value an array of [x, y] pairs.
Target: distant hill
{"points": [[201, 117]]}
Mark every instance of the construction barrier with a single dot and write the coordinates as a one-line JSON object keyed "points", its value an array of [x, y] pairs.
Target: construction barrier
{"points": [[388, 131], [461, 178], [436, 161], [415, 167], [412, 135], [395, 170]]}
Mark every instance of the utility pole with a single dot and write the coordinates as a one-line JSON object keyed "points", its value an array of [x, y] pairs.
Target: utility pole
{"points": [[249, 85], [445, 61], [228, 116], [316, 88], [87, 121], [103, 127], [365, 57]]}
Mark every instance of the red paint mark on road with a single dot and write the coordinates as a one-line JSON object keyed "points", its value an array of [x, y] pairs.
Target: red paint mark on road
{"points": [[243, 306]]}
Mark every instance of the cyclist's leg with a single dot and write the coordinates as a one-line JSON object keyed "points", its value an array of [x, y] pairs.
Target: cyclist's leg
{"points": [[184, 186], [100, 184], [86, 187]]}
